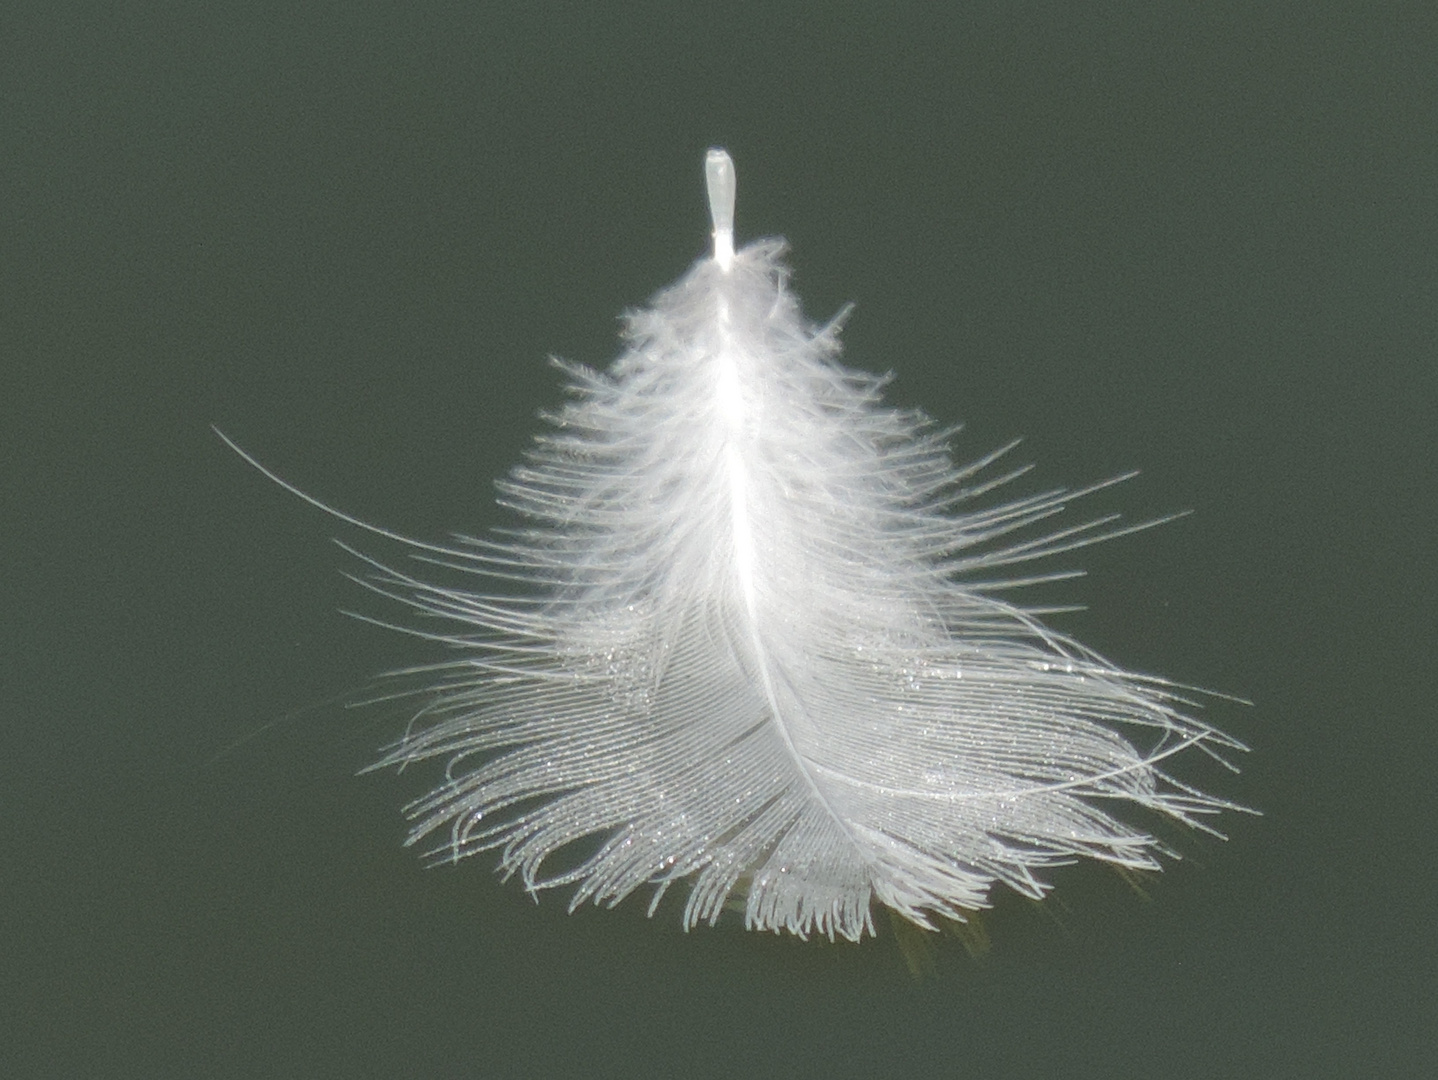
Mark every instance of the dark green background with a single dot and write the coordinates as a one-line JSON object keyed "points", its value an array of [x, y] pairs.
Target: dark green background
{"points": [[1199, 242]]}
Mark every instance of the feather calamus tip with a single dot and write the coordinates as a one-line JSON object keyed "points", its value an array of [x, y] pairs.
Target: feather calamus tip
{"points": [[722, 185]]}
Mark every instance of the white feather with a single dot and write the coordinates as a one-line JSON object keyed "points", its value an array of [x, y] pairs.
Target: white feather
{"points": [[748, 639]]}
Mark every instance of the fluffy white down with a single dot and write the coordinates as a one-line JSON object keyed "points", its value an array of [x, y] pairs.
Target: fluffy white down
{"points": [[741, 641]]}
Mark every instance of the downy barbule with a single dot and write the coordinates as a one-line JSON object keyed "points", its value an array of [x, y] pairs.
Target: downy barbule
{"points": [[748, 636]]}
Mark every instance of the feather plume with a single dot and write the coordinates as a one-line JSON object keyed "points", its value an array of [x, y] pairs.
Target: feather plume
{"points": [[749, 637]]}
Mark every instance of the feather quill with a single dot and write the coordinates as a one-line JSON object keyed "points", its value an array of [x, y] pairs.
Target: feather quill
{"points": [[748, 636]]}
